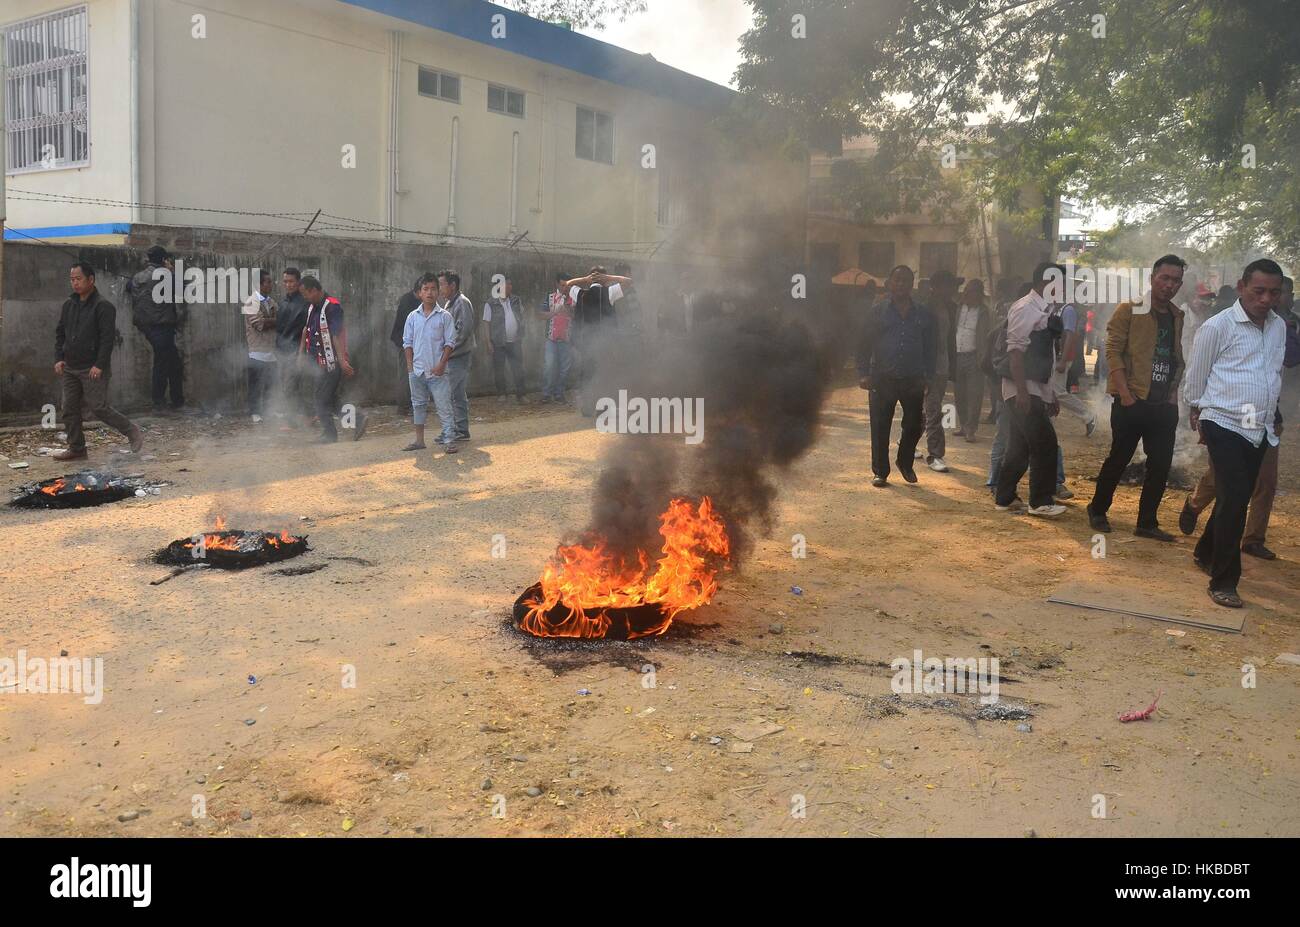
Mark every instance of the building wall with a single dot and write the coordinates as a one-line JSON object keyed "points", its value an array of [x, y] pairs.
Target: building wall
{"points": [[109, 174], [253, 118]]}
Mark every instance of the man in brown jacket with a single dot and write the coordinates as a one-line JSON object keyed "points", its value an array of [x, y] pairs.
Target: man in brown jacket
{"points": [[1145, 356]]}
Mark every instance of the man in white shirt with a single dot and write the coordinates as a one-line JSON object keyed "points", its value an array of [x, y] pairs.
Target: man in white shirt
{"points": [[428, 338], [1031, 402], [1233, 384], [505, 339]]}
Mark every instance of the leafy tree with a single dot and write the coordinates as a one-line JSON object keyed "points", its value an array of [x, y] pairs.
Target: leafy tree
{"points": [[1144, 105]]}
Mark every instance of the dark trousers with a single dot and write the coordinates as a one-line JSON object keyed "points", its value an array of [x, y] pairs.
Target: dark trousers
{"points": [[403, 382], [1154, 424], [81, 393], [167, 368], [261, 374], [327, 398], [969, 389], [995, 397], [886, 393], [1236, 465], [1031, 444], [501, 354]]}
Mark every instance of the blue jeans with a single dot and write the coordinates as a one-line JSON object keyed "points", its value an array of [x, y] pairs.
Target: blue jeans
{"points": [[999, 449], [438, 391], [458, 383], [556, 371]]}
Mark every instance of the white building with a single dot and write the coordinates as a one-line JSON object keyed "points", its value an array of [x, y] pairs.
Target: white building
{"points": [[454, 121]]}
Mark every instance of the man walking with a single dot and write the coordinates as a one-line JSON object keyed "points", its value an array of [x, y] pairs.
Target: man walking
{"points": [[259, 330], [157, 320], [1234, 381], [429, 337], [1144, 351], [896, 359], [325, 341], [943, 307], [505, 340], [1260, 509], [83, 351], [290, 319], [1030, 402], [462, 354]]}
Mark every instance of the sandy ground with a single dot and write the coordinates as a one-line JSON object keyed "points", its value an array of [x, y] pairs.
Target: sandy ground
{"points": [[455, 717]]}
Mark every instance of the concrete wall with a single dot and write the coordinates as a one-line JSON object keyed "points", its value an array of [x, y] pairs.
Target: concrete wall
{"points": [[369, 277]]}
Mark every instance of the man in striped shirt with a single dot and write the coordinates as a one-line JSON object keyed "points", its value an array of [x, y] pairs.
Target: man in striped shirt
{"points": [[1233, 384]]}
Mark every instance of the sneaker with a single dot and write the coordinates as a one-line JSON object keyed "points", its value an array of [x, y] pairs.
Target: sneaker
{"points": [[908, 473], [1258, 550], [1063, 492], [879, 481], [71, 455], [463, 439], [1187, 518], [1228, 598], [1097, 521], [257, 419], [1089, 428], [917, 455], [1015, 505], [1047, 511], [937, 465], [1154, 534]]}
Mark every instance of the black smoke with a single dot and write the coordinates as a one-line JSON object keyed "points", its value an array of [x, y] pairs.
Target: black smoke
{"points": [[763, 381]]}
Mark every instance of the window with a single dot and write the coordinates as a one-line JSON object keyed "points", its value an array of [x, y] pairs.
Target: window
{"points": [[506, 101], [936, 256], [595, 136], [876, 257], [440, 85], [47, 116], [672, 201]]}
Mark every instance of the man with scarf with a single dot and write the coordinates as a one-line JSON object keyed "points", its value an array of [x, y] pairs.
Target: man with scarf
{"points": [[325, 341]]}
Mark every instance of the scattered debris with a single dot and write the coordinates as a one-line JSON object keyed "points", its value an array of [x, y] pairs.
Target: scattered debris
{"points": [[753, 730], [1142, 714], [1288, 659], [796, 590], [1175, 632], [18, 465], [742, 748], [1024, 728], [1000, 711]]}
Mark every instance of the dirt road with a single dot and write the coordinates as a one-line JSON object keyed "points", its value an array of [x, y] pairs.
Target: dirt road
{"points": [[454, 716]]}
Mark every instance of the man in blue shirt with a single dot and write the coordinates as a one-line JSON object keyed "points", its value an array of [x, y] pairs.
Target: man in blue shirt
{"points": [[428, 338], [897, 355]]}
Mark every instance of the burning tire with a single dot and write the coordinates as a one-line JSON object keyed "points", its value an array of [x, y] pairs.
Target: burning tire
{"points": [[624, 623], [77, 490], [232, 550]]}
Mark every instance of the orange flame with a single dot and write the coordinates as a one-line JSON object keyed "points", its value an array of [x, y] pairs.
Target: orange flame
{"points": [[590, 580]]}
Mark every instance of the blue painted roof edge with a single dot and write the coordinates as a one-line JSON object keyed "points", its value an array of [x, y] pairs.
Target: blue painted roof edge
{"points": [[543, 41], [69, 231]]}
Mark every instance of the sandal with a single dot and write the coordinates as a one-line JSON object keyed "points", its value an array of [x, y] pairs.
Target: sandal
{"points": [[414, 446], [1225, 597]]}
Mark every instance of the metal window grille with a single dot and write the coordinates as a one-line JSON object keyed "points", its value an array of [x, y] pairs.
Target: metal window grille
{"points": [[47, 86]]}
